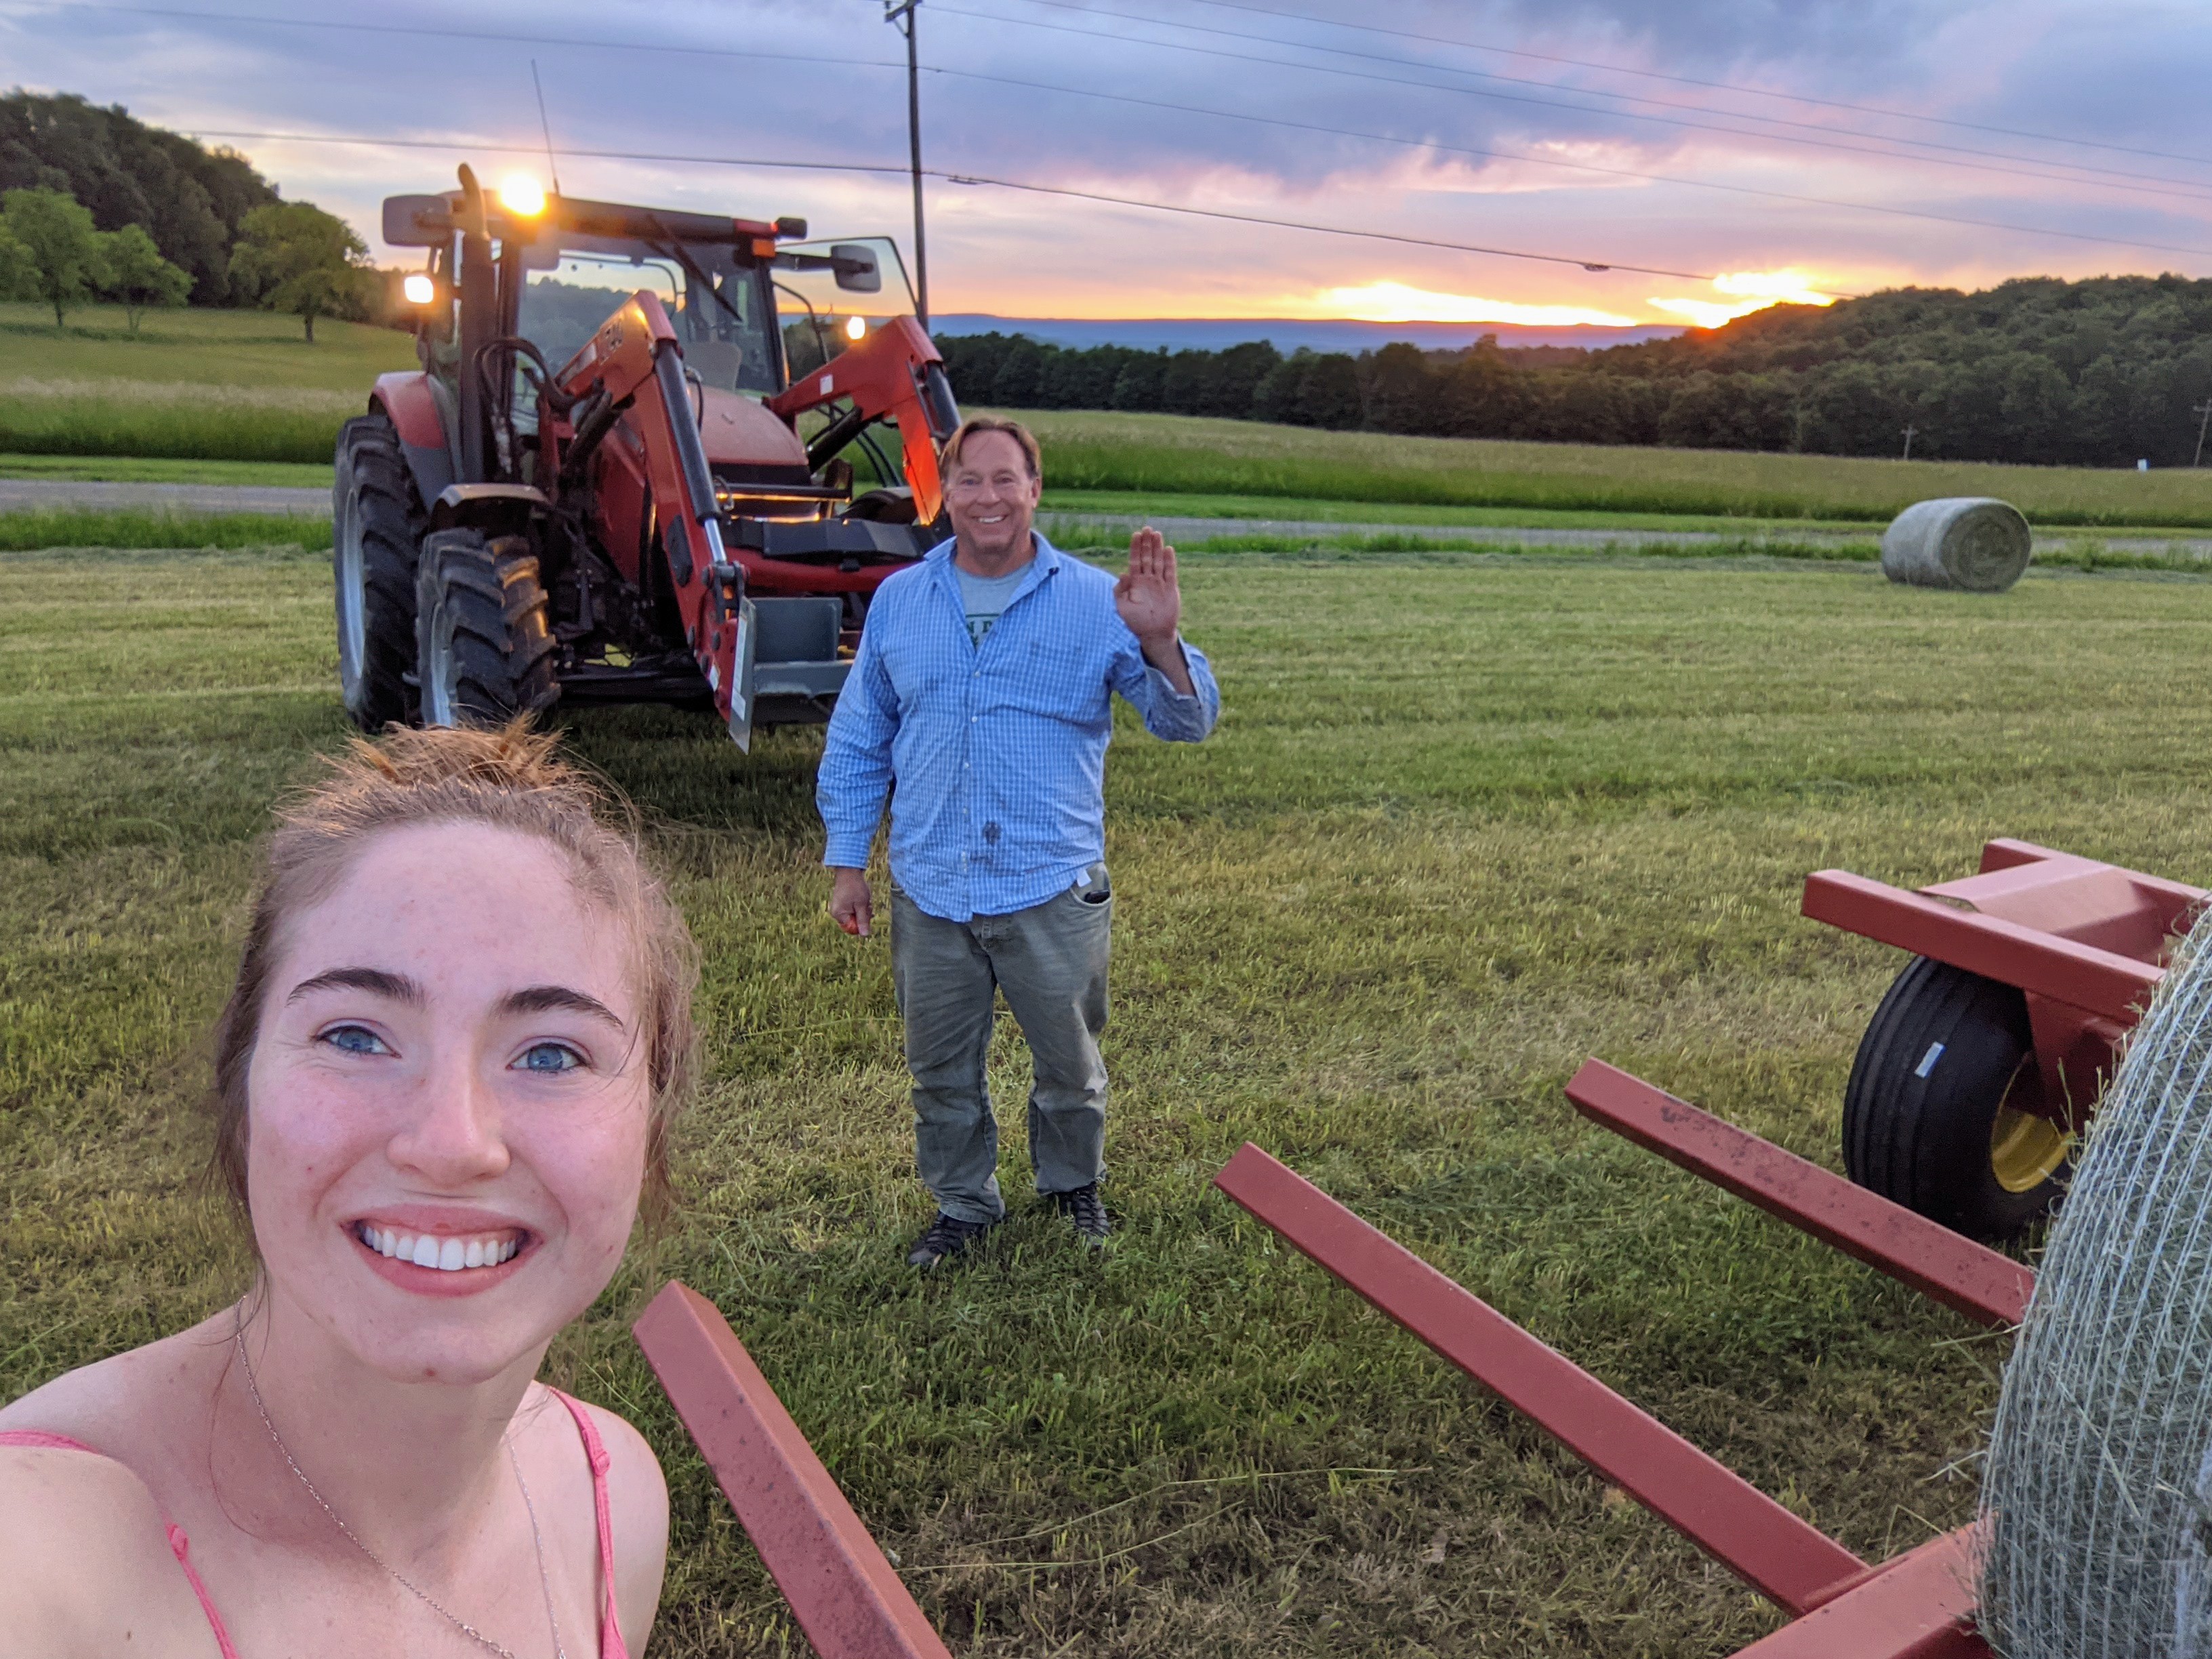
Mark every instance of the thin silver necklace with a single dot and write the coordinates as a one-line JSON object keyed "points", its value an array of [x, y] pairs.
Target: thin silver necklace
{"points": [[537, 1538]]}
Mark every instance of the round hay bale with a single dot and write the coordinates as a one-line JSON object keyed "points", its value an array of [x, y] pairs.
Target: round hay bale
{"points": [[2097, 1495], [1972, 541]]}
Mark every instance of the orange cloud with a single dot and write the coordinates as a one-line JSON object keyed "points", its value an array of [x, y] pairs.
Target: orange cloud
{"points": [[1396, 302]]}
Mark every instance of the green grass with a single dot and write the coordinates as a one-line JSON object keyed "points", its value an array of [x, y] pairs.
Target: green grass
{"points": [[1104, 503], [1148, 453], [1468, 818], [218, 385], [152, 469], [30, 529]]}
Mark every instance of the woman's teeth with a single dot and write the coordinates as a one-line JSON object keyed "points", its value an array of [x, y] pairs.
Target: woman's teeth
{"points": [[446, 1254]]}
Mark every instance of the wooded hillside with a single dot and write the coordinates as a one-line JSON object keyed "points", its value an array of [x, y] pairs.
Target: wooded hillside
{"points": [[2096, 373], [191, 200]]}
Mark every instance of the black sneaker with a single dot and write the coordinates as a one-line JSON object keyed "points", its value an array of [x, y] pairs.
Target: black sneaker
{"points": [[1087, 1211], [948, 1235]]}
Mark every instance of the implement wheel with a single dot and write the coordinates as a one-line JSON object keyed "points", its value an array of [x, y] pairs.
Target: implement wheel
{"points": [[483, 652], [376, 523], [1931, 1118]]}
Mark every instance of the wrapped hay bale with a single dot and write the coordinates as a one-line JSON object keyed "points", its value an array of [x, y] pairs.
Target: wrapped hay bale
{"points": [[2097, 1497], [1972, 541]]}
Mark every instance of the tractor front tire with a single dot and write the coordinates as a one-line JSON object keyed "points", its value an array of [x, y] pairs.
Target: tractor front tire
{"points": [[483, 654], [1926, 1118], [377, 523]]}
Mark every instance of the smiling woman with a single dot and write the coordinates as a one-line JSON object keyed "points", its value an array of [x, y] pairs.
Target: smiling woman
{"points": [[443, 1082]]}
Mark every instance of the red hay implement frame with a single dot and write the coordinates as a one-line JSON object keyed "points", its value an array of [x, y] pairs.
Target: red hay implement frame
{"points": [[843, 1592], [1916, 1606]]}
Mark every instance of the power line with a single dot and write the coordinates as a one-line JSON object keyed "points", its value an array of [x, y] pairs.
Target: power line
{"points": [[1577, 167], [2150, 185], [1717, 85], [951, 177], [1294, 224]]}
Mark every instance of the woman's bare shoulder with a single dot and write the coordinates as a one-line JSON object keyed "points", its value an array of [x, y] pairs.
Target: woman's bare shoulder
{"points": [[116, 1403], [89, 1567]]}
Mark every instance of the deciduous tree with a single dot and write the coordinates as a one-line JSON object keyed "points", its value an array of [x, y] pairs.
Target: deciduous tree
{"points": [[292, 256], [138, 275], [65, 251]]}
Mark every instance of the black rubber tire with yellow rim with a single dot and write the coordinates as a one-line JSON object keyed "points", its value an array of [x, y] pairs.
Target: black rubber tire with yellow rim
{"points": [[1926, 1118]]}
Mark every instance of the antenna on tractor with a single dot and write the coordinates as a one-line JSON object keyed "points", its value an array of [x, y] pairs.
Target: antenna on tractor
{"points": [[552, 168]]}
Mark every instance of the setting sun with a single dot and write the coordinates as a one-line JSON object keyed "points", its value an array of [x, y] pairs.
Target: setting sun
{"points": [[1748, 291]]}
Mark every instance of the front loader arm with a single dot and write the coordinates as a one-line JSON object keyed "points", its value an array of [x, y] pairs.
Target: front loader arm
{"points": [[633, 370], [896, 373]]}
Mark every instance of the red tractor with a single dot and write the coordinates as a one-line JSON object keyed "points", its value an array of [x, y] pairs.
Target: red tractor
{"points": [[604, 484]]}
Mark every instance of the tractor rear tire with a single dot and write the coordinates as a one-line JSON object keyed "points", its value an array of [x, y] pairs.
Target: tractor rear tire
{"points": [[377, 524], [484, 653], [1925, 1119]]}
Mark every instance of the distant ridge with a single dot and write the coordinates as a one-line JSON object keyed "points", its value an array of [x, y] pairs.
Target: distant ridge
{"points": [[1288, 333]]}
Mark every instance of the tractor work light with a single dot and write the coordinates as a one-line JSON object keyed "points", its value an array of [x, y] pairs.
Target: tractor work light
{"points": [[419, 289], [522, 196], [856, 328]]}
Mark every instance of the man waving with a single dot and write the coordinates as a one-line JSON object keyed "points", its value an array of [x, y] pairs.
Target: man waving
{"points": [[980, 704]]}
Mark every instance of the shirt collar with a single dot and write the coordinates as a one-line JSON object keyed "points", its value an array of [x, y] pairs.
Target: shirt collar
{"points": [[1047, 560]]}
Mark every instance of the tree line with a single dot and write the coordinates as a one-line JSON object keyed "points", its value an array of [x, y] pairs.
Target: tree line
{"points": [[96, 204], [2101, 372]]}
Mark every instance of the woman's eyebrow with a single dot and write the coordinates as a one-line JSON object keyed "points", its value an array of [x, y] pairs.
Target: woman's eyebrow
{"points": [[377, 981], [544, 999]]}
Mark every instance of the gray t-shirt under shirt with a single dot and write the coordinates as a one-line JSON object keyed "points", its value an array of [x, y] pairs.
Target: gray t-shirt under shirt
{"points": [[984, 598]]}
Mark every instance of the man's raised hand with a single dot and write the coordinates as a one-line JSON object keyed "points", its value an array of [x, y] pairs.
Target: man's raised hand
{"points": [[1151, 602], [1146, 596]]}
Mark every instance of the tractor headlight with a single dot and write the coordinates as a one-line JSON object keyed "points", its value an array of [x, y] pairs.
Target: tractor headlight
{"points": [[419, 289]]}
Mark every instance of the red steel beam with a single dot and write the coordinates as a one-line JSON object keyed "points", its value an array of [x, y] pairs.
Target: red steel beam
{"points": [[1915, 1606], [1954, 1270], [2102, 982], [843, 1592], [1785, 1558]]}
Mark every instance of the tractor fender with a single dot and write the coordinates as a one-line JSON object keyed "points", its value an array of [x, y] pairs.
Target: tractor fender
{"points": [[497, 509], [419, 408]]}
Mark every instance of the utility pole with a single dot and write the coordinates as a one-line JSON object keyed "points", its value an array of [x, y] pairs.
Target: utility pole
{"points": [[901, 12], [1909, 430], [2204, 413]]}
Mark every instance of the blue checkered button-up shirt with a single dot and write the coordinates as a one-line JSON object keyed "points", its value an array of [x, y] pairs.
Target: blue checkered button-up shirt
{"points": [[998, 750]]}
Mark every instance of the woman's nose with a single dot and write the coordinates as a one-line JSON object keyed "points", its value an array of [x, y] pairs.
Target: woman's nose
{"points": [[453, 1134]]}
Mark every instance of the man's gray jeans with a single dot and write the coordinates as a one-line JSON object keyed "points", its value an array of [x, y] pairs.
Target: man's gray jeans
{"points": [[1050, 960]]}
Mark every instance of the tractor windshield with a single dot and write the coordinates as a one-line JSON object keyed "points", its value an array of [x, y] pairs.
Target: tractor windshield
{"points": [[722, 308]]}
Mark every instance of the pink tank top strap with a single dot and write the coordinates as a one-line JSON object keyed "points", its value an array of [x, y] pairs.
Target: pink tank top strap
{"points": [[178, 1545], [595, 1453]]}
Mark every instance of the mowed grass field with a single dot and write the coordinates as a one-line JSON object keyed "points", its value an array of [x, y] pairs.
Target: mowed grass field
{"points": [[222, 387], [1467, 820], [242, 394], [1174, 453]]}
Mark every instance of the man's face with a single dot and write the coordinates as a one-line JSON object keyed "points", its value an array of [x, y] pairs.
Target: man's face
{"points": [[993, 498]]}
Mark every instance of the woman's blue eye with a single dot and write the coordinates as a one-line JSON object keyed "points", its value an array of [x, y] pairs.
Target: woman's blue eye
{"points": [[355, 1040], [549, 1057]]}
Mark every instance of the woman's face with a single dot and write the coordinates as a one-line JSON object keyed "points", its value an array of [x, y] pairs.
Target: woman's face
{"points": [[447, 1103]]}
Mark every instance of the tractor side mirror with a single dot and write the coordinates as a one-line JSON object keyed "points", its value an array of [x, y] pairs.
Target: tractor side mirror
{"points": [[857, 269]]}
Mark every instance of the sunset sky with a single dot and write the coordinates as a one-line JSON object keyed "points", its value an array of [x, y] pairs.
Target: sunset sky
{"points": [[1754, 149]]}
